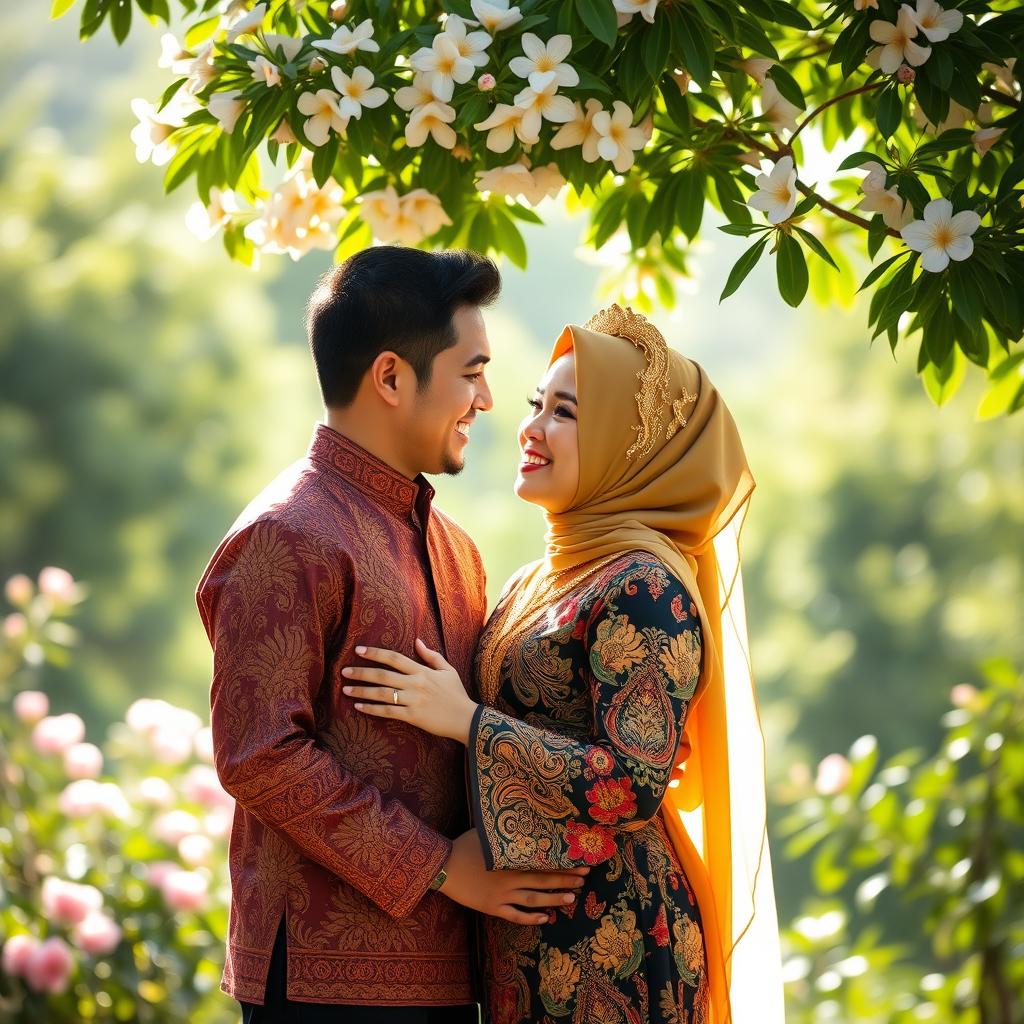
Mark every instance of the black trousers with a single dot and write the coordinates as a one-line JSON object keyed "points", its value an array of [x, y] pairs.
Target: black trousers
{"points": [[277, 1009]]}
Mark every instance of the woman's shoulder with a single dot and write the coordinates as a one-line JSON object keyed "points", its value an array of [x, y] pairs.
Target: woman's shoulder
{"points": [[641, 583]]}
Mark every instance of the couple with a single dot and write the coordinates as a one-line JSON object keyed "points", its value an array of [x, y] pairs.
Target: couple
{"points": [[559, 813]]}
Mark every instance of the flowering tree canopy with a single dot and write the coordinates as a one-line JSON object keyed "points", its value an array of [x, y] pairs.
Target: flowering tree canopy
{"points": [[311, 124]]}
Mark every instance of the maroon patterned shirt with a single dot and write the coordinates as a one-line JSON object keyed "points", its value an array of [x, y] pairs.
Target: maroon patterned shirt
{"points": [[342, 820]]}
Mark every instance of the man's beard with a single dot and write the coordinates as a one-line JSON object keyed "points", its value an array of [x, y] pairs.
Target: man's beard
{"points": [[449, 467]]}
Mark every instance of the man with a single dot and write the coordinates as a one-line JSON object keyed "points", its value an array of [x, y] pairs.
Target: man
{"points": [[351, 857]]}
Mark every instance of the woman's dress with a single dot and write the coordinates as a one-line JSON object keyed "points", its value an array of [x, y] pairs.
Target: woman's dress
{"points": [[583, 703]]}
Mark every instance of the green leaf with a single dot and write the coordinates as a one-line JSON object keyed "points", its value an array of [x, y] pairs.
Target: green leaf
{"points": [[60, 8], [323, 160], [599, 17], [878, 232], [817, 246], [859, 159], [656, 47], [509, 239], [675, 103], [690, 201], [942, 382], [1006, 388], [201, 31], [743, 267], [878, 271], [889, 112], [787, 85], [693, 44], [791, 270]]}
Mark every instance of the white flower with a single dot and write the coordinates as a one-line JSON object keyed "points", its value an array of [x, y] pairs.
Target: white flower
{"points": [[985, 138], [942, 235], [1004, 74], [777, 110], [265, 71], [580, 131], [935, 22], [227, 108], [495, 15], [631, 7], [445, 64], [346, 40], [247, 22], [174, 56], [321, 110], [505, 123], [543, 61], [518, 180], [756, 67], [471, 45], [434, 119], [895, 210], [283, 134], [205, 221], [618, 139], [201, 72], [543, 103], [409, 218], [288, 46], [776, 192], [409, 97], [299, 215], [897, 42], [356, 91], [151, 135], [874, 180]]}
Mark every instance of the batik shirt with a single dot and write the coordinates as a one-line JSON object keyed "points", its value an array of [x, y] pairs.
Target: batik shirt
{"points": [[571, 751], [341, 820]]}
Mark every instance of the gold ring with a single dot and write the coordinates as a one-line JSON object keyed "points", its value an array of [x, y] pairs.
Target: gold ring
{"points": [[395, 692]]}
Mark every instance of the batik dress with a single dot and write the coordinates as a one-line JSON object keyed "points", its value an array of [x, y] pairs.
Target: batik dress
{"points": [[584, 695]]}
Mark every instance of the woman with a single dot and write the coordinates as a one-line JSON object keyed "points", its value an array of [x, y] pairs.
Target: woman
{"points": [[614, 696]]}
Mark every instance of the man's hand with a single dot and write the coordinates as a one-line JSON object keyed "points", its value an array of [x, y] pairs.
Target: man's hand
{"points": [[505, 893]]}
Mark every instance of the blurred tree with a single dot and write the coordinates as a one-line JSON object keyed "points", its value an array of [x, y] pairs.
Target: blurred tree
{"points": [[134, 396]]}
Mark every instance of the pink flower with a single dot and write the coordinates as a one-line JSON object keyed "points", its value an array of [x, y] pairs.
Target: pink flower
{"points": [[185, 890], [84, 797], [202, 786], [171, 747], [57, 584], [159, 871], [962, 695], [56, 734], [173, 826], [833, 774], [19, 590], [83, 761], [218, 823], [203, 743], [485, 83], [15, 626], [156, 792], [905, 74], [97, 935], [50, 966], [69, 902], [195, 850], [31, 705], [18, 951]]}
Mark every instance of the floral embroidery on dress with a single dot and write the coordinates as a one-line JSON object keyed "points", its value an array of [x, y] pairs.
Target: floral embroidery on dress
{"points": [[570, 756]]}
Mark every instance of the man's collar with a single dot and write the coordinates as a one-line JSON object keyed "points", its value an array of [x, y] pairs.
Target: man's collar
{"points": [[375, 478]]}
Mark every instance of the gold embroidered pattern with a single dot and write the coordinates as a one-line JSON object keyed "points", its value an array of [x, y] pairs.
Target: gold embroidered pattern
{"points": [[653, 398]]}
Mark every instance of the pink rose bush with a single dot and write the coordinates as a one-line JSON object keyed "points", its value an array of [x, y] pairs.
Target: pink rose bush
{"points": [[113, 903]]}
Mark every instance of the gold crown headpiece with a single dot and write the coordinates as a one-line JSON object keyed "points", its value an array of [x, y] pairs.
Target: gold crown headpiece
{"points": [[653, 396]]}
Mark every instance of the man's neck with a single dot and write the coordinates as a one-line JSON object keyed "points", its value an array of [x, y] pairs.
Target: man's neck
{"points": [[369, 435]]}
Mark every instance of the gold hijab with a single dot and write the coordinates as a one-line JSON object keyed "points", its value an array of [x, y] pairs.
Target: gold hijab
{"points": [[662, 470]]}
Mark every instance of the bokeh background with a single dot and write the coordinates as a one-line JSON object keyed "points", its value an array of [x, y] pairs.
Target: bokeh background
{"points": [[149, 387]]}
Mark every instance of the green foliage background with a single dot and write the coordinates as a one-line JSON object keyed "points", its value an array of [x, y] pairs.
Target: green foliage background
{"points": [[148, 389]]}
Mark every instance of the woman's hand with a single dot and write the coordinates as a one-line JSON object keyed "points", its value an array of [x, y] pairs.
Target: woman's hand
{"points": [[430, 696]]}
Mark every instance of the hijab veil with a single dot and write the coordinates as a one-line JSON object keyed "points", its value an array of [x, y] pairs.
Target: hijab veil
{"points": [[662, 470]]}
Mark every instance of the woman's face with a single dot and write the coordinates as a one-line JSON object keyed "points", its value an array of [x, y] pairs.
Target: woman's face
{"points": [[549, 466]]}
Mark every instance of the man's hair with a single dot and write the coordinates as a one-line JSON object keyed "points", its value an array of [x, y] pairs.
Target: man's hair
{"points": [[390, 298]]}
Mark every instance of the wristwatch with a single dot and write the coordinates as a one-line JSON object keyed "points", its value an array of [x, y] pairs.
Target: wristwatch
{"points": [[439, 880]]}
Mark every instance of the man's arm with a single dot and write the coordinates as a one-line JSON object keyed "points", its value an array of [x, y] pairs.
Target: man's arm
{"points": [[270, 600]]}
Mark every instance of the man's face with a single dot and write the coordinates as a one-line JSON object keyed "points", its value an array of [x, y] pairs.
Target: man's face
{"points": [[438, 428]]}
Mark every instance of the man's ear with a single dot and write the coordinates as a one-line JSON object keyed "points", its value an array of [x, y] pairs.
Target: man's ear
{"points": [[386, 376]]}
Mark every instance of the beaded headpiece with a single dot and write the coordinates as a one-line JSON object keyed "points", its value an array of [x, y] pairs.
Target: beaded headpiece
{"points": [[653, 396]]}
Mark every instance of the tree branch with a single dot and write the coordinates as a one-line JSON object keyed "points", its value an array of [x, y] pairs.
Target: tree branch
{"points": [[1001, 97], [828, 103], [838, 211]]}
